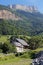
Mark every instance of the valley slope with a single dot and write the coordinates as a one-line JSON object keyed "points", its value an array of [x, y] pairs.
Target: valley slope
{"points": [[28, 23]]}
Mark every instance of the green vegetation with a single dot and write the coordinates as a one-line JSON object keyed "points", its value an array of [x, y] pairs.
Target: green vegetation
{"points": [[11, 59], [30, 23], [38, 49], [2, 7], [5, 27], [34, 42], [15, 61], [25, 58], [3, 38], [9, 27], [5, 45]]}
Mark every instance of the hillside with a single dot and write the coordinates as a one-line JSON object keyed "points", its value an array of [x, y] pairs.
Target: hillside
{"points": [[28, 23]]}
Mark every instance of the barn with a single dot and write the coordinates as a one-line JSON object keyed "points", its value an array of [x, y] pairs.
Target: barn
{"points": [[21, 45]]}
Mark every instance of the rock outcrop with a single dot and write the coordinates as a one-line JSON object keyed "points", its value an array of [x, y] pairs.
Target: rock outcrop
{"points": [[24, 8], [5, 14]]}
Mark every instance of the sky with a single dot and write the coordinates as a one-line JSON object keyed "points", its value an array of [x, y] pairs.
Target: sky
{"points": [[36, 3]]}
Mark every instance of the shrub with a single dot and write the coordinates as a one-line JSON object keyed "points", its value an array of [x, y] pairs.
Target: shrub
{"points": [[25, 55], [18, 54], [30, 54], [1, 50], [8, 48]]}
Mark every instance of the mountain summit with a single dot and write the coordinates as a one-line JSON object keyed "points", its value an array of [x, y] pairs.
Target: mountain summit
{"points": [[24, 8]]}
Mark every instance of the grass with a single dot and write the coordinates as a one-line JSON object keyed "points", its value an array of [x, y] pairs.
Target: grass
{"points": [[16, 61], [10, 59], [4, 38], [39, 49]]}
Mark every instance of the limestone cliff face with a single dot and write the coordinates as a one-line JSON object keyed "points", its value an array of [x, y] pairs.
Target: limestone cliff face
{"points": [[24, 8], [5, 14]]}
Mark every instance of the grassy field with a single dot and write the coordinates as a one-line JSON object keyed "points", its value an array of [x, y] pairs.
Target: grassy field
{"points": [[38, 49], [10, 59], [16, 61]]}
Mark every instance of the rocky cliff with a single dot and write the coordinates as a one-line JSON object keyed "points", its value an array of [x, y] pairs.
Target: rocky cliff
{"points": [[5, 14], [24, 8]]}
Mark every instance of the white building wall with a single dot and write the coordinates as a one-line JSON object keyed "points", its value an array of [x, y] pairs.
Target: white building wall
{"points": [[19, 49]]}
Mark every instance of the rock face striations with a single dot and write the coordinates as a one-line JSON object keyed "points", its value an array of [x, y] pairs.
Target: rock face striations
{"points": [[24, 8], [5, 14]]}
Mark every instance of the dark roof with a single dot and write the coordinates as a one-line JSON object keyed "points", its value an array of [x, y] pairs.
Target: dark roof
{"points": [[22, 42]]}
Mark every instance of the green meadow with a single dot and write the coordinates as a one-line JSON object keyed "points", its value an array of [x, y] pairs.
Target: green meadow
{"points": [[10, 59]]}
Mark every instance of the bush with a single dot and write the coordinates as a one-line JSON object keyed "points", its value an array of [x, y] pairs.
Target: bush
{"points": [[1, 50], [18, 54], [8, 48], [25, 55], [30, 54], [1, 45], [5, 48], [34, 42]]}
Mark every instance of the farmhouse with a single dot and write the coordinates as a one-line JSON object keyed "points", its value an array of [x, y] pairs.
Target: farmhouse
{"points": [[21, 45]]}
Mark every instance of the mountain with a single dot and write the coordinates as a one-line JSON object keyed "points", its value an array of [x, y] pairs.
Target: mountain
{"points": [[28, 22], [24, 8], [5, 13]]}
